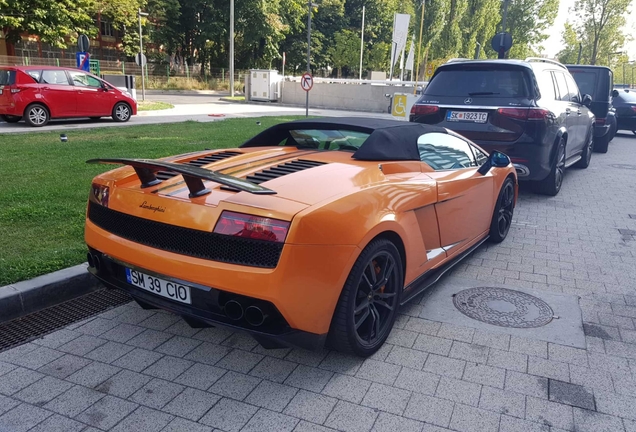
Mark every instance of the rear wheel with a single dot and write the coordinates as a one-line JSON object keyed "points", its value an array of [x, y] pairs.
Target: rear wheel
{"points": [[121, 112], [368, 304], [10, 118], [502, 217], [36, 115], [601, 145], [551, 185], [586, 156]]}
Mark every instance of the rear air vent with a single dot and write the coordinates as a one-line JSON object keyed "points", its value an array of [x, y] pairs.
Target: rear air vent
{"points": [[205, 160], [282, 170]]}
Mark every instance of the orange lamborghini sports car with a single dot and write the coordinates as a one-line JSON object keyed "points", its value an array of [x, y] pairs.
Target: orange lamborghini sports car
{"points": [[314, 231]]}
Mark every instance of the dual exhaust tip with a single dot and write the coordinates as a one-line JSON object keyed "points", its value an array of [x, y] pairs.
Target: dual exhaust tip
{"points": [[94, 261], [254, 315]]}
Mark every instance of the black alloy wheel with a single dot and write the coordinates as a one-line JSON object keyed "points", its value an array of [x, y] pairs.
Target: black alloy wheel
{"points": [[369, 301], [551, 185], [504, 210]]}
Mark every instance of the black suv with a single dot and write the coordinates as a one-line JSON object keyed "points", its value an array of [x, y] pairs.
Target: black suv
{"points": [[598, 82], [531, 110]]}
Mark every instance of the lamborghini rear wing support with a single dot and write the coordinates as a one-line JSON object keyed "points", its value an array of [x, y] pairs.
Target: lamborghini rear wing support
{"points": [[193, 175]]}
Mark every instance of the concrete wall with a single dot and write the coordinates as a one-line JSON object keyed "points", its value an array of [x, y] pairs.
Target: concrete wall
{"points": [[344, 96]]}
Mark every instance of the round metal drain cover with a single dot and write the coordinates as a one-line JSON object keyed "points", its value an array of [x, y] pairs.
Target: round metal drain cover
{"points": [[503, 307]]}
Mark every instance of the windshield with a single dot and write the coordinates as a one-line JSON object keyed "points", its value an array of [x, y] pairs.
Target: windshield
{"points": [[479, 82], [7, 77], [325, 139], [586, 82]]}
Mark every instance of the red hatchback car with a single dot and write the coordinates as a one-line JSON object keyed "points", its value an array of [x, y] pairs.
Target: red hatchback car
{"points": [[38, 94]]}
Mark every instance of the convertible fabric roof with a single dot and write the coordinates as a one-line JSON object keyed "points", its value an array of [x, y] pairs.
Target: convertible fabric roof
{"points": [[388, 139]]}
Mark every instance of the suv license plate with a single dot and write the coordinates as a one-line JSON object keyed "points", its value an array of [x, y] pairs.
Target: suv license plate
{"points": [[467, 116], [163, 288]]}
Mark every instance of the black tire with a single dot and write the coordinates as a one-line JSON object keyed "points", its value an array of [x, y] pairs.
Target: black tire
{"points": [[612, 128], [551, 185], [634, 132], [504, 210], [10, 118], [601, 144], [122, 112], [36, 115], [362, 320], [586, 156]]}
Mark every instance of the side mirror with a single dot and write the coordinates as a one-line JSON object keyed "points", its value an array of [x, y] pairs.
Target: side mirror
{"points": [[614, 93], [587, 100], [496, 160]]}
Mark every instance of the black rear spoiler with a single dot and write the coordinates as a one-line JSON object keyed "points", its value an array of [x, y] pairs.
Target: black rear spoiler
{"points": [[193, 175]]}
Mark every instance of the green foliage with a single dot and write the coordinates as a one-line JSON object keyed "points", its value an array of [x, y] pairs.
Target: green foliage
{"points": [[450, 40], [55, 22], [345, 51], [528, 21], [479, 25]]}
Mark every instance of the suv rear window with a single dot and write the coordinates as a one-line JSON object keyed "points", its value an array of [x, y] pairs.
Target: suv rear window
{"points": [[479, 82], [7, 77], [586, 82]]}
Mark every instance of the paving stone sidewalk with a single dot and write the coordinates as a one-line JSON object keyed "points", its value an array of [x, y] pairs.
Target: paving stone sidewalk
{"points": [[134, 370]]}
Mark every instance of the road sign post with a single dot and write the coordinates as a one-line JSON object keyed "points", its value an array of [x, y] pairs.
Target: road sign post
{"points": [[306, 83]]}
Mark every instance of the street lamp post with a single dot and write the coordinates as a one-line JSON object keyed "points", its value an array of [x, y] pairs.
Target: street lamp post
{"points": [[231, 48], [308, 54], [141, 55]]}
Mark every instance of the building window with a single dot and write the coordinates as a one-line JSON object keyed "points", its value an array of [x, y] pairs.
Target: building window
{"points": [[107, 29]]}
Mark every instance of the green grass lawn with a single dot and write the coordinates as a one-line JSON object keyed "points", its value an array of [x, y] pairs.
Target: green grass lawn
{"points": [[153, 105], [44, 183]]}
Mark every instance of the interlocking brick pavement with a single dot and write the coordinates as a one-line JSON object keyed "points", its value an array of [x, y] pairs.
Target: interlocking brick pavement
{"points": [[135, 370]]}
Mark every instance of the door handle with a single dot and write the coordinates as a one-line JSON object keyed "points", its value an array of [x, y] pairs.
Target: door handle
{"points": [[568, 111], [579, 112]]}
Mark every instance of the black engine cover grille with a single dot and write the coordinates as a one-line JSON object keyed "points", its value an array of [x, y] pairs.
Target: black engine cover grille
{"points": [[186, 241]]}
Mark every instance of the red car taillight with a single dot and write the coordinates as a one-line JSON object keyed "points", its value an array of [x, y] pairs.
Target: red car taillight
{"points": [[424, 109], [633, 107], [99, 194], [600, 121], [253, 227], [524, 113]]}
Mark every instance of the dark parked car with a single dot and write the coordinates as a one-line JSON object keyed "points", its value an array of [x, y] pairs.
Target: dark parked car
{"points": [[598, 81], [531, 110], [624, 102]]}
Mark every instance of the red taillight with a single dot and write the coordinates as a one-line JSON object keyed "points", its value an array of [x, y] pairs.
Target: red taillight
{"points": [[424, 109], [99, 194], [524, 113], [600, 121], [633, 107], [253, 227]]}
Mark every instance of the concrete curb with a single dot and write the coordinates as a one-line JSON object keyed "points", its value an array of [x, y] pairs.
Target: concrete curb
{"points": [[22, 298], [186, 92]]}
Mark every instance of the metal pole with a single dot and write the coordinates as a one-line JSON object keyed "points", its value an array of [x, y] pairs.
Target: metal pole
{"points": [[362, 41], [308, 53], [477, 50], [502, 53], [419, 49], [141, 59], [231, 48], [578, 60], [624, 76], [393, 51]]}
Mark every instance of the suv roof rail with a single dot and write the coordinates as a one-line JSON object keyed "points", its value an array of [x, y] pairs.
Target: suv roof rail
{"points": [[545, 60], [459, 59]]}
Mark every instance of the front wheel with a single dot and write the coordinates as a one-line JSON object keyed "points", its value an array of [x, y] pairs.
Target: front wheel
{"points": [[10, 118], [368, 304], [551, 185], [502, 217], [121, 112]]}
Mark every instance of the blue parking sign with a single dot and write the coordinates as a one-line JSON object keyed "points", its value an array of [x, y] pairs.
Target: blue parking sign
{"points": [[82, 61]]}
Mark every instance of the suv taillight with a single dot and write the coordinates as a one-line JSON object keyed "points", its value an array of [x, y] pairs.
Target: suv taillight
{"points": [[600, 121], [524, 113], [633, 107], [424, 109]]}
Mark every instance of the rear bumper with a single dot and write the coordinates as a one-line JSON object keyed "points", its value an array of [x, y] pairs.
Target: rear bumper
{"points": [[206, 308], [601, 130], [531, 161]]}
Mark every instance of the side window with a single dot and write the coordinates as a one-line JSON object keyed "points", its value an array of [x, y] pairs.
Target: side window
{"points": [[82, 80], [573, 89], [561, 86], [35, 74], [546, 85], [480, 156], [54, 77], [443, 152]]}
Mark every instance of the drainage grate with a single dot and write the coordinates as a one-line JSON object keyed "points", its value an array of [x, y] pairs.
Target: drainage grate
{"points": [[503, 307], [37, 324]]}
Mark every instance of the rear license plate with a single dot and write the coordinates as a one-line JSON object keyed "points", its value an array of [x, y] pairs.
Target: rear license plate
{"points": [[173, 291], [467, 116]]}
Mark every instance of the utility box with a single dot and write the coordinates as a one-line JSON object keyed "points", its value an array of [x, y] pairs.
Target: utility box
{"points": [[122, 82], [264, 85]]}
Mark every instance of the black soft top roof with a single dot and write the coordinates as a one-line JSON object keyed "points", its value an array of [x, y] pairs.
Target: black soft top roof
{"points": [[388, 139]]}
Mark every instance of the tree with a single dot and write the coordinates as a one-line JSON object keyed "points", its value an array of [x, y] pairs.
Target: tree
{"points": [[528, 21], [479, 25], [123, 15], [345, 52], [570, 53], [449, 43], [435, 16], [55, 22]]}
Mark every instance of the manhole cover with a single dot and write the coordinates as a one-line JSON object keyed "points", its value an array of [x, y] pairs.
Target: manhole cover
{"points": [[503, 307], [624, 166]]}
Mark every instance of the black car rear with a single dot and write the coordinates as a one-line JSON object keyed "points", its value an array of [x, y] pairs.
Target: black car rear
{"points": [[624, 102], [522, 108], [598, 81]]}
